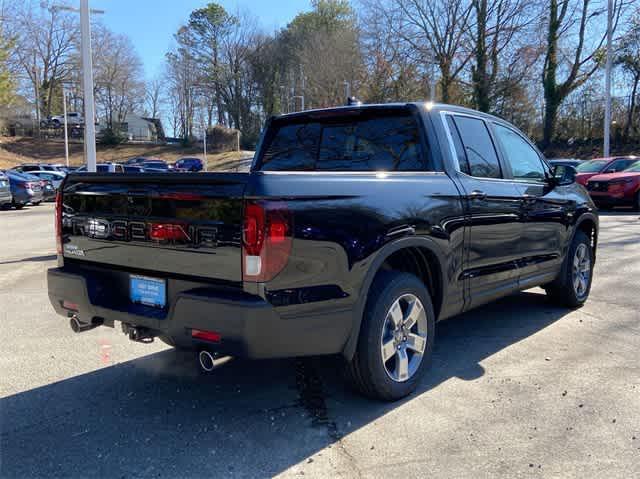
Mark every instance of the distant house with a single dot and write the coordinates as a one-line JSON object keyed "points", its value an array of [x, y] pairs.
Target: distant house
{"points": [[138, 128]]}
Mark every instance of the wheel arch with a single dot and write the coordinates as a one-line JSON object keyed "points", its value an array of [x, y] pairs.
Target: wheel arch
{"points": [[588, 224], [427, 264]]}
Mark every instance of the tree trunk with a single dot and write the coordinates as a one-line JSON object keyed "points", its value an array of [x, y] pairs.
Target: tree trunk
{"points": [[479, 73], [632, 107], [550, 87]]}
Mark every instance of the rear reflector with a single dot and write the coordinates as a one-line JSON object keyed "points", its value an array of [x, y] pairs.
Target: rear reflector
{"points": [[206, 335], [70, 306]]}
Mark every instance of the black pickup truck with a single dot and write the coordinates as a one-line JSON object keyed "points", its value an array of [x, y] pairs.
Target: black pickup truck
{"points": [[355, 231]]}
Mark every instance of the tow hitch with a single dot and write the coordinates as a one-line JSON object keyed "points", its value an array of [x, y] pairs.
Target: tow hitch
{"points": [[138, 334]]}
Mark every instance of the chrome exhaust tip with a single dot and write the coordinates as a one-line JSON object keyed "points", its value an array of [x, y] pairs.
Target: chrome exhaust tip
{"points": [[206, 361], [78, 326], [75, 324]]}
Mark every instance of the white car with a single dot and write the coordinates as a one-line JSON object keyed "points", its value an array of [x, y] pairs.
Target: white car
{"points": [[55, 177], [72, 119]]}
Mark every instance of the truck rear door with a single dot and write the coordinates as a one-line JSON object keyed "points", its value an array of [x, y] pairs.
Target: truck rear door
{"points": [[189, 225]]}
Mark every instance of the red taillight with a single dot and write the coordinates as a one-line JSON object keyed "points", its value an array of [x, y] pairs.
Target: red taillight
{"points": [[58, 220], [266, 240], [168, 232], [206, 335]]}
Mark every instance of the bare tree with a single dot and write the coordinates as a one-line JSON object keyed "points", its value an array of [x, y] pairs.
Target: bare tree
{"points": [[182, 75], [628, 59], [496, 25], [45, 48], [119, 89], [153, 97], [436, 31], [573, 49], [393, 73]]}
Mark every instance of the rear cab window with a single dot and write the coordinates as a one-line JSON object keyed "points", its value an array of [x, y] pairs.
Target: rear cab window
{"points": [[352, 140]]}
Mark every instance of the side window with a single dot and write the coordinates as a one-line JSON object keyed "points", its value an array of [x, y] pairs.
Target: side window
{"points": [[523, 159], [478, 147], [119, 169], [619, 165], [457, 143]]}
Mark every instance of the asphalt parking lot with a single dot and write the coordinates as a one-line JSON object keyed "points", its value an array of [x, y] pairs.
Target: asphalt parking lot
{"points": [[517, 389]]}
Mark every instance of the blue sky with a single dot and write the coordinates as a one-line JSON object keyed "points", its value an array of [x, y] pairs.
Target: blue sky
{"points": [[151, 24]]}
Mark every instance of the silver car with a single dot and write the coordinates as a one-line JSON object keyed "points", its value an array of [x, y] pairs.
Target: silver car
{"points": [[55, 177], [5, 191]]}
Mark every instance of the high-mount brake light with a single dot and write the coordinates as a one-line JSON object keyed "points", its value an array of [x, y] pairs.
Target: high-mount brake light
{"points": [[267, 234]]}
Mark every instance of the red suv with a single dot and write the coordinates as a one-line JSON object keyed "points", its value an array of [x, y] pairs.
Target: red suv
{"points": [[614, 189], [603, 165]]}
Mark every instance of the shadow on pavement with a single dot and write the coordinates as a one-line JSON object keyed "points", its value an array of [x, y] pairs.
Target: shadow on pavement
{"points": [[34, 259], [158, 416]]}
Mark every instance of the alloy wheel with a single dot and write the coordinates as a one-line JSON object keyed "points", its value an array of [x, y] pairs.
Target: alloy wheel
{"points": [[404, 338], [581, 270]]}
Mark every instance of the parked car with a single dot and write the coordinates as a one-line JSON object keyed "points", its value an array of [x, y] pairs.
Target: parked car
{"points": [[103, 168], [136, 160], [133, 169], [155, 166], [602, 165], [356, 229], [616, 189], [57, 121], [25, 189], [573, 162], [55, 177], [189, 164], [5, 191], [29, 167]]}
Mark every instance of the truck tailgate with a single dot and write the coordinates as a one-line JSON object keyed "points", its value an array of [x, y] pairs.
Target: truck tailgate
{"points": [[187, 224]]}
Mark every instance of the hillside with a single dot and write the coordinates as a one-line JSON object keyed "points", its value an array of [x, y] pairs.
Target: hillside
{"points": [[14, 151]]}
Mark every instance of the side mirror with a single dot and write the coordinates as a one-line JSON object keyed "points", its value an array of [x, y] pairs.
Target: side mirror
{"points": [[563, 175]]}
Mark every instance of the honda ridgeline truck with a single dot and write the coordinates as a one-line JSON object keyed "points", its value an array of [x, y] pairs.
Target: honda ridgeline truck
{"points": [[356, 229]]}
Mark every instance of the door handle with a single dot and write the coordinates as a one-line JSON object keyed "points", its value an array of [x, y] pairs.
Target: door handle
{"points": [[477, 195]]}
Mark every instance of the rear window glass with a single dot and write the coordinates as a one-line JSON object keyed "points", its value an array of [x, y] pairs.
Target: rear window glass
{"points": [[389, 142]]}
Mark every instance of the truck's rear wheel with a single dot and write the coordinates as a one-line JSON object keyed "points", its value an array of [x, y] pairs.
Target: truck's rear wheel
{"points": [[396, 337], [572, 288]]}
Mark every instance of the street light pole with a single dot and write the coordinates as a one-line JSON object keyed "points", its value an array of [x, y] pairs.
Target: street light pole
{"points": [[66, 137], [87, 86], [607, 104]]}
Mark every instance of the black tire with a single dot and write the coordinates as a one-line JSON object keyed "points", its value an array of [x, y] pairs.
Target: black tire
{"points": [[367, 370], [18, 206], [563, 291]]}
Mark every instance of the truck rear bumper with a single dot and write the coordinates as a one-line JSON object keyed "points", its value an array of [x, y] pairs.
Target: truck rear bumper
{"points": [[248, 325]]}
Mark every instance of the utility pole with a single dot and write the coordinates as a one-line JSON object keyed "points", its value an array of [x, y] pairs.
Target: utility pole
{"points": [[204, 145], [36, 80], [607, 104], [302, 88], [87, 86], [87, 80], [66, 137]]}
